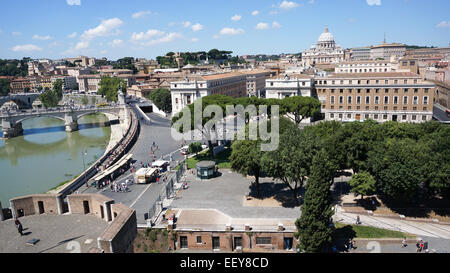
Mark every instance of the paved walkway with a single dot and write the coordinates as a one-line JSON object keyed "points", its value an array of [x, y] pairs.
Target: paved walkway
{"points": [[419, 228]]}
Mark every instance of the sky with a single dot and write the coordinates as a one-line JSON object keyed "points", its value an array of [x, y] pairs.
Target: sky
{"points": [[114, 29]]}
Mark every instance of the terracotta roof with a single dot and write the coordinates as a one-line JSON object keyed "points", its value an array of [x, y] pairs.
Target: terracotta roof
{"points": [[221, 76]]}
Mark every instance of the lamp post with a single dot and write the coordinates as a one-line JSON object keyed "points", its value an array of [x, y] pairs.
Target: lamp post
{"points": [[83, 153]]}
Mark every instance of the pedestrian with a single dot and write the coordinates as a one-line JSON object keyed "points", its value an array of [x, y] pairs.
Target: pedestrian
{"points": [[19, 226], [404, 244], [418, 246], [421, 245], [350, 245]]}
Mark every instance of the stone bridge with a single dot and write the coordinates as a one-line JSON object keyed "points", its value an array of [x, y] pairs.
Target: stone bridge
{"points": [[12, 121], [21, 99]]}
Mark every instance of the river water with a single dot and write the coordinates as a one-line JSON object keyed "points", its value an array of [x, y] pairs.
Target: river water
{"points": [[46, 155]]}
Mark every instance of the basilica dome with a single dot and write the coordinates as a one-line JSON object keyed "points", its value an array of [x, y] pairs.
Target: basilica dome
{"points": [[326, 37]]}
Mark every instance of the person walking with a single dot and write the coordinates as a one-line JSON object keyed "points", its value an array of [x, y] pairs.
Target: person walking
{"points": [[404, 244], [358, 221], [19, 226]]}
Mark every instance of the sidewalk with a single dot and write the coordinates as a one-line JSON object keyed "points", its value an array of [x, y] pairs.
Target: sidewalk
{"points": [[418, 228]]}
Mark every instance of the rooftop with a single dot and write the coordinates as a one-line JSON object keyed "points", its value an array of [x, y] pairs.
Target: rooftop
{"points": [[374, 75], [54, 232]]}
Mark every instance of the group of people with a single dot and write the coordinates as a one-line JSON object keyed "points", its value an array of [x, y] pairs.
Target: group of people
{"points": [[420, 246], [121, 187], [351, 245]]}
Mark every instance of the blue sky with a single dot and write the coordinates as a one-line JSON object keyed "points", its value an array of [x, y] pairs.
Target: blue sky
{"points": [[148, 28]]}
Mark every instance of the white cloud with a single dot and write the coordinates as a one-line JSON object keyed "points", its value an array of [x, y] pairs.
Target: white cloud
{"points": [[215, 36], [106, 28], [141, 14], [236, 17], [194, 40], [231, 31], [82, 45], [116, 43], [373, 2], [141, 36], [254, 13], [73, 2], [275, 24], [16, 33], [288, 5], [26, 48], [197, 27], [443, 24], [186, 24], [170, 37], [73, 35], [262, 26], [42, 38]]}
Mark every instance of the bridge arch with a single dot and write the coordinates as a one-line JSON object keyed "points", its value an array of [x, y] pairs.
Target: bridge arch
{"points": [[40, 116], [99, 112]]}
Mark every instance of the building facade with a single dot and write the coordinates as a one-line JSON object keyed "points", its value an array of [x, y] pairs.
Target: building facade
{"points": [[385, 51], [395, 96], [365, 67], [185, 92], [289, 85], [360, 53]]}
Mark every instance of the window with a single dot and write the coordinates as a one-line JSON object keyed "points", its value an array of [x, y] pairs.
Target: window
{"points": [[332, 99], [358, 100], [331, 115], [349, 99], [403, 117], [415, 100], [332, 91], [176, 100], [359, 91], [263, 240], [385, 116], [366, 116], [375, 116], [395, 100], [349, 108], [414, 117], [340, 115], [425, 100], [377, 81], [199, 239], [424, 118], [416, 90], [386, 81], [395, 81], [396, 90], [377, 90], [426, 91], [386, 99], [367, 90], [405, 81], [349, 115], [377, 100], [341, 99], [405, 100], [406, 90], [271, 84], [341, 91], [367, 100]]}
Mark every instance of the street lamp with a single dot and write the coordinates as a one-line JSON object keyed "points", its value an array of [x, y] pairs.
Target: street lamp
{"points": [[83, 153]]}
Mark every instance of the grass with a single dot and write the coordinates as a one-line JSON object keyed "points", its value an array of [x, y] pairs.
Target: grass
{"points": [[357, 231], [222, 159]]}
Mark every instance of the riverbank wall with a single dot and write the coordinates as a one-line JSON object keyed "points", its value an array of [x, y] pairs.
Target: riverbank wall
{"points": [[120, 149]]}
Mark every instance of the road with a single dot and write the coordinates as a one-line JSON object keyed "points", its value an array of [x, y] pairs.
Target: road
{"points": [[440, 114], [142, 197]]}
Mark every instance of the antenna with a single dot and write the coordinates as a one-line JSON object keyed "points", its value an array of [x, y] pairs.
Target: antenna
{"points": [[384, 41]]}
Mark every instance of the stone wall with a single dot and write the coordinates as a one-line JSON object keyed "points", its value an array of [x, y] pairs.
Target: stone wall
{"points": [[120, 235], [29, 205]]}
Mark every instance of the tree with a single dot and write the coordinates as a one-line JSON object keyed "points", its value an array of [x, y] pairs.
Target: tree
{"points": [[314, 226], [162, 98], [4, 87], [246, 159], [291, 162], [57, 87], [399, 169], [109, 87], [363, 184], [49, 99], [301, 107], [206, 131], [195, 147], [84, 100]]}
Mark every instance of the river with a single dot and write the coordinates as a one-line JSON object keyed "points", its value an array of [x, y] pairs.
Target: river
{"points": [[45, 156]]}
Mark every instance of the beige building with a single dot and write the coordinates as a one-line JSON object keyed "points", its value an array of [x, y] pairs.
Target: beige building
{"points": [[385, 51], [289, 85], [185, 92], [256, 81], [395, 96], [365, 67], [326, 51]]}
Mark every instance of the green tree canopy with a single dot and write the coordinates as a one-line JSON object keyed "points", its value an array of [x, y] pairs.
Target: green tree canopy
{"points": [[161, 97], [4, 87], [301, 107], [195, 148], [109, 87], [363, 184]]}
